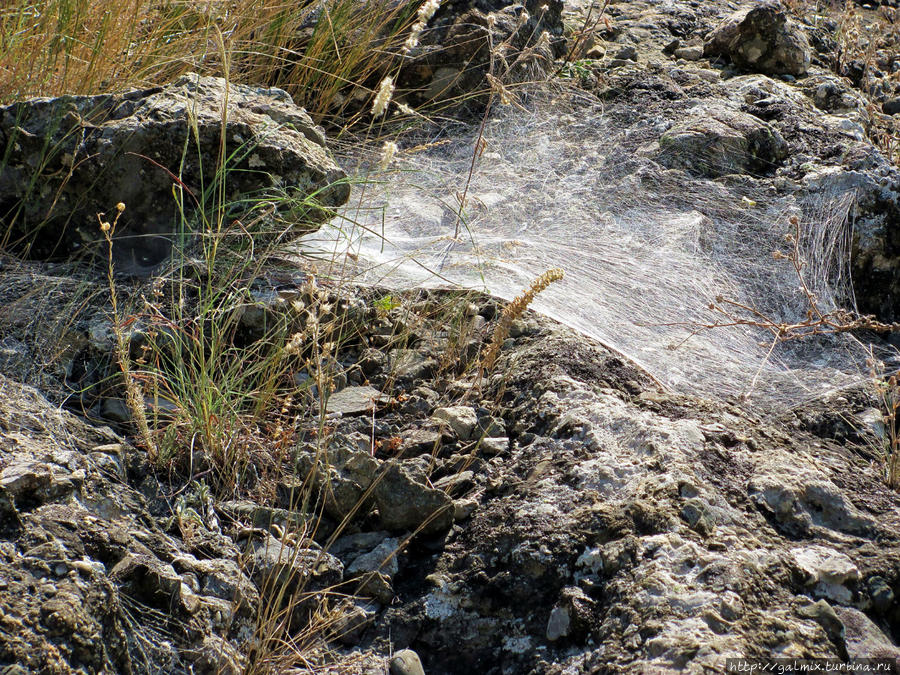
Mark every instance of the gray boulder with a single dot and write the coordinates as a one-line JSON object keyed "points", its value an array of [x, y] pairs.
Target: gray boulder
{"points": [[67, 159], [762, 39]]}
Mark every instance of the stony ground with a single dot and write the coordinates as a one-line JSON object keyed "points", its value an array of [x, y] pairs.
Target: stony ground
{"points": [[571, 516], [560, 514]]}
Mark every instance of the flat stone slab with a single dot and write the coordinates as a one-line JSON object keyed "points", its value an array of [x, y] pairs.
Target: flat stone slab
{"points": [[354, 401]]}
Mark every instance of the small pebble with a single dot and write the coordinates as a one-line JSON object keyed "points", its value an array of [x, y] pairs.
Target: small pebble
{"points": [[406, 662]]}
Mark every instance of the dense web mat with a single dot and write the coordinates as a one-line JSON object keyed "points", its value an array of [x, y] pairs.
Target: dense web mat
{"points": [[645, 249]]}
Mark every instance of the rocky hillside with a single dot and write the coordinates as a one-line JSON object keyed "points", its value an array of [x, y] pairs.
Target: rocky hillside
{"points": [[338, 479]]}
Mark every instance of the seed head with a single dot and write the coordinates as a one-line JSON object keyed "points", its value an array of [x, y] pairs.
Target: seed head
{"points": [[388, 151], [383, 97]]}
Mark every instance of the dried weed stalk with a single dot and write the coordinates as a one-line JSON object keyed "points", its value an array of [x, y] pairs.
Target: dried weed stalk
{"points": [[816, 321], [134, 397], [513, 311]]}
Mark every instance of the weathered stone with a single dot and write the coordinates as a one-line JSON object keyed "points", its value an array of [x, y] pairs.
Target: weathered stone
{"points": [[225, 580], [863, 638], [148, 579], [462, 419], [420, 441], [698, 516], [354, 401], [626, 53], [216, 656], [824, 615], [383, 558], [891, 106], [761, 38], [490, 426], [463, 508], [690, 53], [406, 504], [801, 501], [406, 662], [374, 585], [351, 546], [881, 593], [830, 574], [410, 364], [875, 260], [352, 621], [456, 483], [265, 516], [570, 616], [493, 446], [88, 153], [716, 140], [343, 480], [277, 567]]}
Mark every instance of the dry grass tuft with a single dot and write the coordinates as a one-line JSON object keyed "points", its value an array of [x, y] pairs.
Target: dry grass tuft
{"points": [[324, 54]]}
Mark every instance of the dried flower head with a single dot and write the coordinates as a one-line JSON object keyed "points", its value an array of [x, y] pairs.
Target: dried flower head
{"points": [[383, 97], [294, 344], [543, 43], [426, 11], [388, 151]]}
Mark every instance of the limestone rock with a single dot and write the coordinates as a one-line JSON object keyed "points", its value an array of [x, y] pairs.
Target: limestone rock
{"points": [[863, 638], [354, 401], [276, 566], [383, 558], [454, 53], [802, 501], [570, 616], [343, 480], [352, 621], [829, 573]]}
